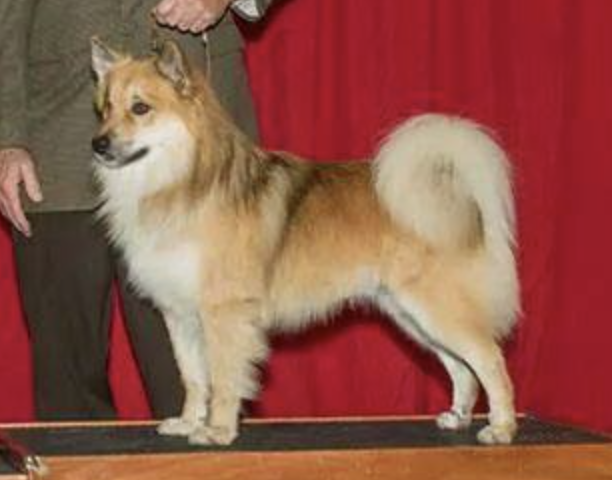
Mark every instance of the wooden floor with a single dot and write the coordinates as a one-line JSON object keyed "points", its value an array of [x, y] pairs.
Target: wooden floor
{"points": [[330, 450]]}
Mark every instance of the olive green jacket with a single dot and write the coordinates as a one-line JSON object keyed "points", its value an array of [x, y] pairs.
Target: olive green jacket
{"points": [[46, 81]]}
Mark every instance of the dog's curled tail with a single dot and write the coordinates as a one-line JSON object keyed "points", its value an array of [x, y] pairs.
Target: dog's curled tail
{"points": [[448, 181]]}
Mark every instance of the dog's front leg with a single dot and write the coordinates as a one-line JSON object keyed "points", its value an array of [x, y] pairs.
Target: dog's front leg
{"points": [[235, 344], [188, 343]]}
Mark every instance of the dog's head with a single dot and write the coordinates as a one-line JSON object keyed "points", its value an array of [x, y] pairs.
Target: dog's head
{"points": [[145, 105]]}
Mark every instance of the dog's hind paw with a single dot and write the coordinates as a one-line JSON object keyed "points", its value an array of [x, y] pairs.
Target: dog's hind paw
{"points": [[178, 426], [453, 420], [502, 434], [206, 435]]}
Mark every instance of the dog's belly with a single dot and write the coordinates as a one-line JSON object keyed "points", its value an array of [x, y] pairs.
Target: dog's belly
{"points": [[297, 300], [169, 276]]}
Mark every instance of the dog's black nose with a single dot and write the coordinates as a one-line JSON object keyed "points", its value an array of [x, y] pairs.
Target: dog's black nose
{"points": [[101, 144]]}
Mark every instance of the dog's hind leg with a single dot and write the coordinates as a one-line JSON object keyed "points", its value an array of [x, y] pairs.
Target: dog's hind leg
{"points": [[464, 382], [465, 393], [235, 345], [187, 338], [449, 323]]}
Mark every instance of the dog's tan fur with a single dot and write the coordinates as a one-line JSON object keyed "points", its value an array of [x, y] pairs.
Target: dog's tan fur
{"points": [[231, 241]]}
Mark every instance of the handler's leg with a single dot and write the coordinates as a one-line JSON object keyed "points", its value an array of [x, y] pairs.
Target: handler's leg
{"points": [[65, 275]]}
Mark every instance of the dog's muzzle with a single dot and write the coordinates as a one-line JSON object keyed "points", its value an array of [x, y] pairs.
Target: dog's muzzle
{"points": [[102, 147]]}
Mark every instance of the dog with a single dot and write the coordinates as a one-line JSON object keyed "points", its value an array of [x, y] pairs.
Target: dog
{"points": [[233, 242]]}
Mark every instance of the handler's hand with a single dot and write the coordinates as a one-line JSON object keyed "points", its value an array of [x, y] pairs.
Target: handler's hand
{"points": [[190, 15], [16, 167]]}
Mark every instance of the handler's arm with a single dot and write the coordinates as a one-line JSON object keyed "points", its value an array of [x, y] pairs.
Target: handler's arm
{"points": [[198, 15], [16, 164]]}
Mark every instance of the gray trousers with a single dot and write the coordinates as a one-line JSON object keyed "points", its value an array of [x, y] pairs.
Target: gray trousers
{"points": [[65, 273]]}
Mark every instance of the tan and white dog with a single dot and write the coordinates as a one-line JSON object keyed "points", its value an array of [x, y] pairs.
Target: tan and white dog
{"points": [[232, 242]]}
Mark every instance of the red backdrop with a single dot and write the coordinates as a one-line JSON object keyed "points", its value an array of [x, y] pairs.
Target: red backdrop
{"points": [[330, 78]]}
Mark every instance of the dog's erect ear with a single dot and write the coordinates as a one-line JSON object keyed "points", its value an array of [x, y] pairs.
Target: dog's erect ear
{"points": [[172, 64], [103, 59]]}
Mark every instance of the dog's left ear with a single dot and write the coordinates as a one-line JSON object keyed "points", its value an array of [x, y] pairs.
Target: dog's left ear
{"points": [[103, 59], [172, 64]]}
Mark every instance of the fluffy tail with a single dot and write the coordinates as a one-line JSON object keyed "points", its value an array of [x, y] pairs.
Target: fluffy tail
{"points": [[445, 179], [448, 181]]}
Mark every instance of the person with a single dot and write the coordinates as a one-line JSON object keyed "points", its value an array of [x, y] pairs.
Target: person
{"points": [[65, 265]]}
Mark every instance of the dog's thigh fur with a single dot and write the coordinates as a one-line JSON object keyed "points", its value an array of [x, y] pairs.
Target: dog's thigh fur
{"points": [[442, 316]]}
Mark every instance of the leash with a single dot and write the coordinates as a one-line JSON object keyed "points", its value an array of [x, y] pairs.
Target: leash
{"points": [[158, 38]]}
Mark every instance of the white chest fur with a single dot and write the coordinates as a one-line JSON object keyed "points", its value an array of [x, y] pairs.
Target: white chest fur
{"points": [[164, 263], [165, 270]]}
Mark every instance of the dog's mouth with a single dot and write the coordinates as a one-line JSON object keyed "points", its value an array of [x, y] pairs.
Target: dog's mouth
{"points": [[111, 160]]}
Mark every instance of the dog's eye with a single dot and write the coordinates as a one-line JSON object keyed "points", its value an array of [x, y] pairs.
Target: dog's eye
{"points": [[140, 108]]}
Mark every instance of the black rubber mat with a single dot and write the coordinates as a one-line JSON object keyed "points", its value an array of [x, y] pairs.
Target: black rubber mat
{"points": [[126, 440]]}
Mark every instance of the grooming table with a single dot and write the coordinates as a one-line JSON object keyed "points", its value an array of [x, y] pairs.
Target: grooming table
{"points": [[333, 449]]}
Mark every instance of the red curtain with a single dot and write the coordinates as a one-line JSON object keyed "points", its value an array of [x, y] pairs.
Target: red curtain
{"points": [[330, 78]]}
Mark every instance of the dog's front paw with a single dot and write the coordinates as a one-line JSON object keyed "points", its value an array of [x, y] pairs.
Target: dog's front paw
{"points": [[206, 435], [501, 434], [453, 420], [178, 426]]}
